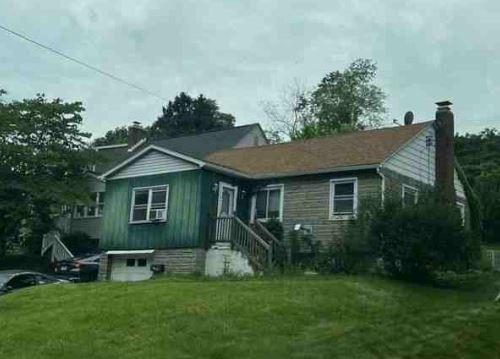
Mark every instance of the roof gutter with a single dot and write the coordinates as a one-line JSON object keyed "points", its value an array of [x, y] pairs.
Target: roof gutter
{"points": [[329, 170]]}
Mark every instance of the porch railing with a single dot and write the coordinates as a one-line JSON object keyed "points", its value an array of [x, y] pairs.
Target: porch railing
{"points": [[280, 253], [244, 239], [52, 241]]}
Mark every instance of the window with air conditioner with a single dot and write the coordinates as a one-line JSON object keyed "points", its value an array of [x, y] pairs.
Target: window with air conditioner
{"points": [[149, 204]]}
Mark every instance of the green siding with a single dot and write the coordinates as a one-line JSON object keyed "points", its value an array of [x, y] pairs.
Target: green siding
{"points": [[182, 229], [210, 198]]}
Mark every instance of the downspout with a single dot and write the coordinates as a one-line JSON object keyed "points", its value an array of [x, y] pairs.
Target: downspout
{"points": [[382, 185]]}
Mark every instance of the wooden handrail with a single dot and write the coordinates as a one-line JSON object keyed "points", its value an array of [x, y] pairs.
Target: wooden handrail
{"points": [[234, 230], [255, 235], [267, 233]]}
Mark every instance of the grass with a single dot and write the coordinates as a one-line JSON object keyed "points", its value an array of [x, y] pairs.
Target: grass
{"points": [[317, 317]]}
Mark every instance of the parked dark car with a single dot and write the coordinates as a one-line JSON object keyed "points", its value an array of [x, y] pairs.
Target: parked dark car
{"points": [[81, 269], [13, 280]]}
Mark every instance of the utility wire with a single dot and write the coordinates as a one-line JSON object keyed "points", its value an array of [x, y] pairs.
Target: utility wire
{"points": [[93, 68]]}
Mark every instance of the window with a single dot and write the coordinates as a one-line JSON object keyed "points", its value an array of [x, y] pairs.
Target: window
{"points": [[409, 195], [269, 203], [461, 208], [130, 262], [149, 204], [343, 198], [142, 262], [22, 281], [95, 207]]}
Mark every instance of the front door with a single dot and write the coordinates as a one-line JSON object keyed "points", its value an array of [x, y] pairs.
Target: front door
{"points": [[226, 210]]}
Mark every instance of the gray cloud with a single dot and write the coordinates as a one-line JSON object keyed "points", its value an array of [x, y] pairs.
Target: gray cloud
{"points": [[244, 52]]}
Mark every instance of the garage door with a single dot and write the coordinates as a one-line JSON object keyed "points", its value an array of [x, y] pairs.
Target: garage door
{"points": [[130, 269]]}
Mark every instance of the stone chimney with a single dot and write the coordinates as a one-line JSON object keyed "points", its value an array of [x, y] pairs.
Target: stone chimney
{"points": [[135, 133], [445, 156]]}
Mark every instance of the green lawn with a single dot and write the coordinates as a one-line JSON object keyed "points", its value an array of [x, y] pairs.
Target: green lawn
{"points": [[316, 317]]}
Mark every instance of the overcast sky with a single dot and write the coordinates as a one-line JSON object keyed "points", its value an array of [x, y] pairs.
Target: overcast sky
{"points": [[242, 53]]}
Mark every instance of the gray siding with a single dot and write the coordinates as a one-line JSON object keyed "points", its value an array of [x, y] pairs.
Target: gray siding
{"points": [[153, 163], [307, 201], [91, 226], [417, 161], [253, 138]]}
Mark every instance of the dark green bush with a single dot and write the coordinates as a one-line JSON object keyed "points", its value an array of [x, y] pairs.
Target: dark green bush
{"points": [[25, 261], [415, 242], [275, 227]]}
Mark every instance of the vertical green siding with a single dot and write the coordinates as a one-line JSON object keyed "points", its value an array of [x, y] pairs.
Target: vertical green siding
{"points": [[182, 228], [210, 198]]}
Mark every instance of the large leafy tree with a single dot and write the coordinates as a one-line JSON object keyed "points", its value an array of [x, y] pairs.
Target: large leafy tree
{"points": [[479, 156], [343, 101], [43, 157], [186, 115], [113, 137]]}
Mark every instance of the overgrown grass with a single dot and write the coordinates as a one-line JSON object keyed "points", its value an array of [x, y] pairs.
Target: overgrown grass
{"points": [[320, 317]]}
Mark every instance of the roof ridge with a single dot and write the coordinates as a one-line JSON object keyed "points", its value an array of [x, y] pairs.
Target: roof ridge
{"points": [[325, 137], [203, 133]]}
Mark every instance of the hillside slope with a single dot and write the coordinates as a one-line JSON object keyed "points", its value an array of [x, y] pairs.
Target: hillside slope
{"points": [[351, 317]]}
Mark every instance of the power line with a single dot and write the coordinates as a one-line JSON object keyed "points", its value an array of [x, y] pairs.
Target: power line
{"points": [[93, 68]]}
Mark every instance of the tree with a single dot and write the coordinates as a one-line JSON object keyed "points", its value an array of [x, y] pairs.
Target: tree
{"points": [[43, 157], [113, 137], [343, 101], [290, 115], [186, 115], [479, 156]]}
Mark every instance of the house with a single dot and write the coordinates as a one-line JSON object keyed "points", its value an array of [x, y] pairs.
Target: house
{"points": [[87, 217], [186, 208]]}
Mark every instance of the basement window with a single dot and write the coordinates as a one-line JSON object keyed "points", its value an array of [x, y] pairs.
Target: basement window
{"points": [[409, 195], [130, 262], [149, 204], [269, 203], [142, 262], [343, 198]]}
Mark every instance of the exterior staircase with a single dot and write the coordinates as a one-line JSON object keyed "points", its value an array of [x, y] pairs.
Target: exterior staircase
{"points": [[52, 241], [280, 253], [245, 240]]}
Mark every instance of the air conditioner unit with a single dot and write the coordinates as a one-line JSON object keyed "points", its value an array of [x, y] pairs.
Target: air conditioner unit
{"points": [[158, 214]]}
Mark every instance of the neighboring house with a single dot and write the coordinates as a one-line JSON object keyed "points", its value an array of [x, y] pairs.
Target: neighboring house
{"points": [[173, 208], [87, 217]]}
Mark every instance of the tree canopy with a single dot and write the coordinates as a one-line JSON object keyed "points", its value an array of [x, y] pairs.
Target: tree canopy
{"points": [[113, 137], [186, 115], [43, 157], [343, 101], [479, 156]]}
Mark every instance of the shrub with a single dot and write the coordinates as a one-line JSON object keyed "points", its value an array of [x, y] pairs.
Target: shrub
{"points": [[25, 261], [275, 227], [415, 242]]}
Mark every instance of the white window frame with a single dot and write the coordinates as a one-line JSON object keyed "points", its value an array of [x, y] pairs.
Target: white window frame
{"points": [[411, 188], [148, 209], [97, 213], [223, 185], [268, 188], [343, 217]]}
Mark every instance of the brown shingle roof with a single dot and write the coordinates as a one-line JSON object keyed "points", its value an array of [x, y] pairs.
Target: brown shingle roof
{"points": [[362, 148]]}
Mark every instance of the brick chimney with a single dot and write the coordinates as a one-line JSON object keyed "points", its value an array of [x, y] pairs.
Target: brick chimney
{"points": [[445, 156], [135, 133]]}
